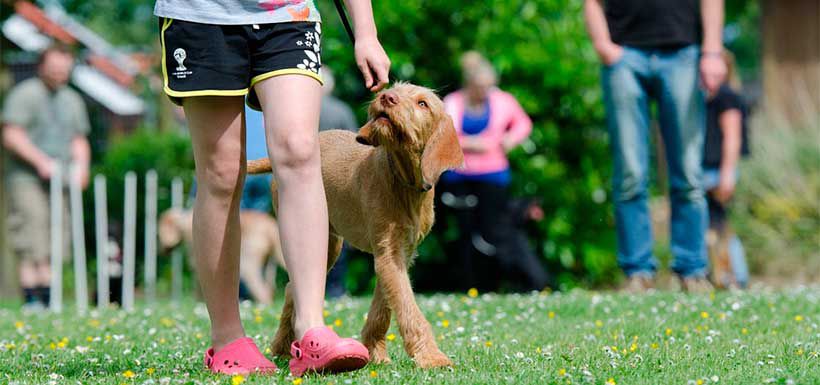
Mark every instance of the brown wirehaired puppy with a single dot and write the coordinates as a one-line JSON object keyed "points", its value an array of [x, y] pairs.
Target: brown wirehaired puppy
{"points": [[379, 188]]}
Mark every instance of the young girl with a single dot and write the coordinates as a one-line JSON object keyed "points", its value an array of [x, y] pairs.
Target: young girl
{"points": [[726, 141], [216, 52]]}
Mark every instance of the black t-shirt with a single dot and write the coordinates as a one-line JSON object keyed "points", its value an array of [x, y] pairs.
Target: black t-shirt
{"points": [[654, 23], [725, 99]]}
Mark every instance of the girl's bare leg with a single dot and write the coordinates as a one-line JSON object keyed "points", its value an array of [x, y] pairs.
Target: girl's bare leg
{"points": [[291, 108], [217, 126]]}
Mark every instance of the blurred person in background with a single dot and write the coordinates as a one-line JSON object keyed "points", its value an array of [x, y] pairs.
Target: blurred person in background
{"points": [[45, 124], [489, 123], [726, 141], [335, 115], [663, 51]]}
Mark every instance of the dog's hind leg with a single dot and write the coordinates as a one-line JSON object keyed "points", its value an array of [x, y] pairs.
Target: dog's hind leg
{"points": [[375, 327], [419, 342], [285, 334]]}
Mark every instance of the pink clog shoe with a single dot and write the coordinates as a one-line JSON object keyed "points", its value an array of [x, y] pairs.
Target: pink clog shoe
{"points": [[322, 350], [238, 357]]}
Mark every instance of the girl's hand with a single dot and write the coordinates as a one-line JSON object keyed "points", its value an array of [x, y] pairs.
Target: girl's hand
{"points": [[724, 190], [373, 62]]}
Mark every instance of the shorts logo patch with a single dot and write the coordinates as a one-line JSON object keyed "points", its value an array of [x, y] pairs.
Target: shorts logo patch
{"points": [[181, 71]]}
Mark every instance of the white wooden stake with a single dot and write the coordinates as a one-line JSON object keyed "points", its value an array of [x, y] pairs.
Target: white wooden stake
{"points": [[56, 194], [151, 236], [101, 226], [176, 255], [129, 242], [78, 240]]}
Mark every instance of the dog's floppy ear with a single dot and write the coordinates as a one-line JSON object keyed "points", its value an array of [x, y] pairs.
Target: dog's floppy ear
{"points": [[442, 152], [367, 135]]}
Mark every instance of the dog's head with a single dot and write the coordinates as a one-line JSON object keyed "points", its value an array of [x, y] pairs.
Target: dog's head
{"points": [[169, 229], [411, 119]]}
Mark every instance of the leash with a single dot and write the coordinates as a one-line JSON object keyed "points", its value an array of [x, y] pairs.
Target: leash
{"points": [[343, 15]]}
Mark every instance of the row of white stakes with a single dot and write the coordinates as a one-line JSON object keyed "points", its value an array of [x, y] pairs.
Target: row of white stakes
{"points": [[128, 246]]}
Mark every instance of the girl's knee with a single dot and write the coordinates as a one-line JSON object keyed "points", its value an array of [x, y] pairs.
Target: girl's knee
{"points": [[221, 179], [296, 150]]}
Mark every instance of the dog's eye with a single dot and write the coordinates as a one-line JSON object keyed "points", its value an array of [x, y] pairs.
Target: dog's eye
{"points": [[422, 103]]}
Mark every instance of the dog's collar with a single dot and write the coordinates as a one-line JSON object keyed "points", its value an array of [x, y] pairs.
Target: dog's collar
{"points": [[397, 172]]}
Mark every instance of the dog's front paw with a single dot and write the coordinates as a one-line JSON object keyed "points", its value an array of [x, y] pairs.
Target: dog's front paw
{"points": [[432, 359], [378, 355]]}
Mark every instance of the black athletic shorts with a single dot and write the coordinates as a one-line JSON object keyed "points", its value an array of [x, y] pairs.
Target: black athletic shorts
{"points": [[228, 60]]}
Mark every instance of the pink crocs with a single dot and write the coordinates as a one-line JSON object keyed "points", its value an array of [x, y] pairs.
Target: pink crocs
{"points": [[322, 350], [238, 357]]}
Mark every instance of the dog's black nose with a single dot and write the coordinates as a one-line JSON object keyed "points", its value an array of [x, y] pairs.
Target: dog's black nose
{"points": [[389, 99]]}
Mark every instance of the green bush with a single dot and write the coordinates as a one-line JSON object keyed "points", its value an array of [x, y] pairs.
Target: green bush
{"points": [[776, 212], [169, 153]]}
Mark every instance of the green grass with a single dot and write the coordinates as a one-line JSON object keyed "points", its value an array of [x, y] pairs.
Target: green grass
{"points": [[578, 337]]}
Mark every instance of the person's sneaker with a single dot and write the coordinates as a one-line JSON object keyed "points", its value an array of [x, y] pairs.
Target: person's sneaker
{"points": [[638, 283], [322, 350], [696, 285]]}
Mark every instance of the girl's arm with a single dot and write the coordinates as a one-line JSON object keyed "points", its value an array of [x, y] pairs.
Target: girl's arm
{"points": [[370, 56], [731, 125]]}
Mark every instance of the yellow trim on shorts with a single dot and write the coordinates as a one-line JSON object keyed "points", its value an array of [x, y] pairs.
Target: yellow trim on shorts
{"points": [[286, 71], [181, 94]]}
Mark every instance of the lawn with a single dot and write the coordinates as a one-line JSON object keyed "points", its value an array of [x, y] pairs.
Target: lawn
{"points": [[578, 337]]}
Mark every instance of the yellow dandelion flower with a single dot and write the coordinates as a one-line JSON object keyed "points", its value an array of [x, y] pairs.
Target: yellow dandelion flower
{"points": [[611, 381], [150, 371], [391, 337], [199, 336], [373, 374], [599, 323], [19, 325], [257, 319], [167, 322], [699, 381], [538, 349], [633, 347], [297, 381], [445, 323], [52, 346], [237, 379], [562, 372], [128, 374], [107, 337], [614, 348], [473, 311], [704, 314], [472, 293], [337, 323], [267, 350], [654, 345], [94, 323], [10, 346], [61, 345], [89, 339], [798, 318], [744, 331], [551, 315], [440, 314], [722, 316], [325, 313], [489, 344], [162, 340], [799, 352]]}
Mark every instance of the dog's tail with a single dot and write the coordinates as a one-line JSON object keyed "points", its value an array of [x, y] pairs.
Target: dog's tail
{"points": [[259, 166]]}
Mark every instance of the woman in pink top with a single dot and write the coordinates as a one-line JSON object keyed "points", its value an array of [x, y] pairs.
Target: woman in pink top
{"points": [[489, 122]]}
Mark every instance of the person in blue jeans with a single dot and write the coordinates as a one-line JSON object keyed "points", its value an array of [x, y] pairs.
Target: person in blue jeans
{"points": [[661, 51]]}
